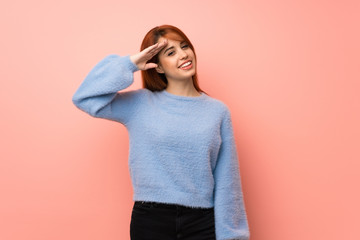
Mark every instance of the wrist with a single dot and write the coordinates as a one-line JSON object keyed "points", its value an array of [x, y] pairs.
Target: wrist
{"points": [[134, 67]]}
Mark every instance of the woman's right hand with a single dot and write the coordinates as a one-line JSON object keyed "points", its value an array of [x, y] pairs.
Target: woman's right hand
{"points": [[140, 59]]}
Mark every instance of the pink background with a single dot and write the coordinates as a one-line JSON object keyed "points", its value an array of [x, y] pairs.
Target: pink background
{"points": [[288, 70]]}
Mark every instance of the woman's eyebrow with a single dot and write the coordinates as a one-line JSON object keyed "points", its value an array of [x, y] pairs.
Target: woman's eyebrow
{"points": [[168, 49], [173, 46]]}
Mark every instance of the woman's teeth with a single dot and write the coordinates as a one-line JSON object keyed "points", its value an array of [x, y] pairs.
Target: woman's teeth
{"points": [[186, 64]]}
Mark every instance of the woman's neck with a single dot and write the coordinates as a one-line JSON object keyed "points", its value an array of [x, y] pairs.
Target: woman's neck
{"points": [[182, 88]]}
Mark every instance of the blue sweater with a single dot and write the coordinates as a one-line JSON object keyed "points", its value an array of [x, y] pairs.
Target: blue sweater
{"points": [[182, 149]]}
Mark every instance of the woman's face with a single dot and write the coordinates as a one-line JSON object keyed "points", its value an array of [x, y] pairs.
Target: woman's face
{"points": [[176, 60]]}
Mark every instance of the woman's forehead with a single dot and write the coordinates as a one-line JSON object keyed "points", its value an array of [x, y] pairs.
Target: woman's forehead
{"points": [[173, 36], [171, 41]]}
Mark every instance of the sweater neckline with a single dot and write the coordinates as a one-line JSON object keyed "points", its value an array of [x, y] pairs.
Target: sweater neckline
{"points": [[180, 97]]}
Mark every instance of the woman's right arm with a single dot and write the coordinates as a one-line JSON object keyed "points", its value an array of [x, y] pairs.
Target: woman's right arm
{"points": [[98, 94]]}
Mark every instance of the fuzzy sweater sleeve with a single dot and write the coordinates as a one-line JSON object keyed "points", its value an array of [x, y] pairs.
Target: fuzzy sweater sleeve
{"points": [[230, 215], [98, 94]]}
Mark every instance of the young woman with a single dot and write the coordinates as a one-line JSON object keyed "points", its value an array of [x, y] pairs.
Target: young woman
{"points": [[182, 158]]}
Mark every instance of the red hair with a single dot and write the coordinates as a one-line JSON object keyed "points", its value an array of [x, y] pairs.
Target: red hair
{"points": [[151, 79]]}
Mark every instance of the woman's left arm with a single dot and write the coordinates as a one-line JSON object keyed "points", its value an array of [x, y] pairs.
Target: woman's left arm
{"points": [[230, 215]]}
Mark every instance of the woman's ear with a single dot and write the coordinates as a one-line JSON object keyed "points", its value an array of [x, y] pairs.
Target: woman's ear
{"points": [[159, 69]]}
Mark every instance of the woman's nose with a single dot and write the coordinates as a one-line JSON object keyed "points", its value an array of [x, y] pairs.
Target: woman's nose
{"points": [[183, 54]]}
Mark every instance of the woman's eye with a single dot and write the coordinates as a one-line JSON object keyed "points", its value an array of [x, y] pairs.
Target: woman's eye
{"points": [[170, 53], [185, 46]]}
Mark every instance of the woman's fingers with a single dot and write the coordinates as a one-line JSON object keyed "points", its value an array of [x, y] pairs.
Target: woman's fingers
{"points": [[141, 58], [154, 49], [150, 48], [161, 45], [150, 65]]}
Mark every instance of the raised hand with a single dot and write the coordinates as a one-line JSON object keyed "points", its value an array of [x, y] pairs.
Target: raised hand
{"points": [[141, 58]]}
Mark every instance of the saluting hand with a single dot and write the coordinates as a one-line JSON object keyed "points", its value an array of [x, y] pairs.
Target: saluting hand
{"points": [[141, 58]]}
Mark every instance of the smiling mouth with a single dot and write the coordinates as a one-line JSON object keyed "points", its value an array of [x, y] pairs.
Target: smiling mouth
{"points": [[186, 64]]}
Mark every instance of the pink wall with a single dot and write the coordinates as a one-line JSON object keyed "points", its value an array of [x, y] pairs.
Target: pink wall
{"points": [[288, 70]]}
